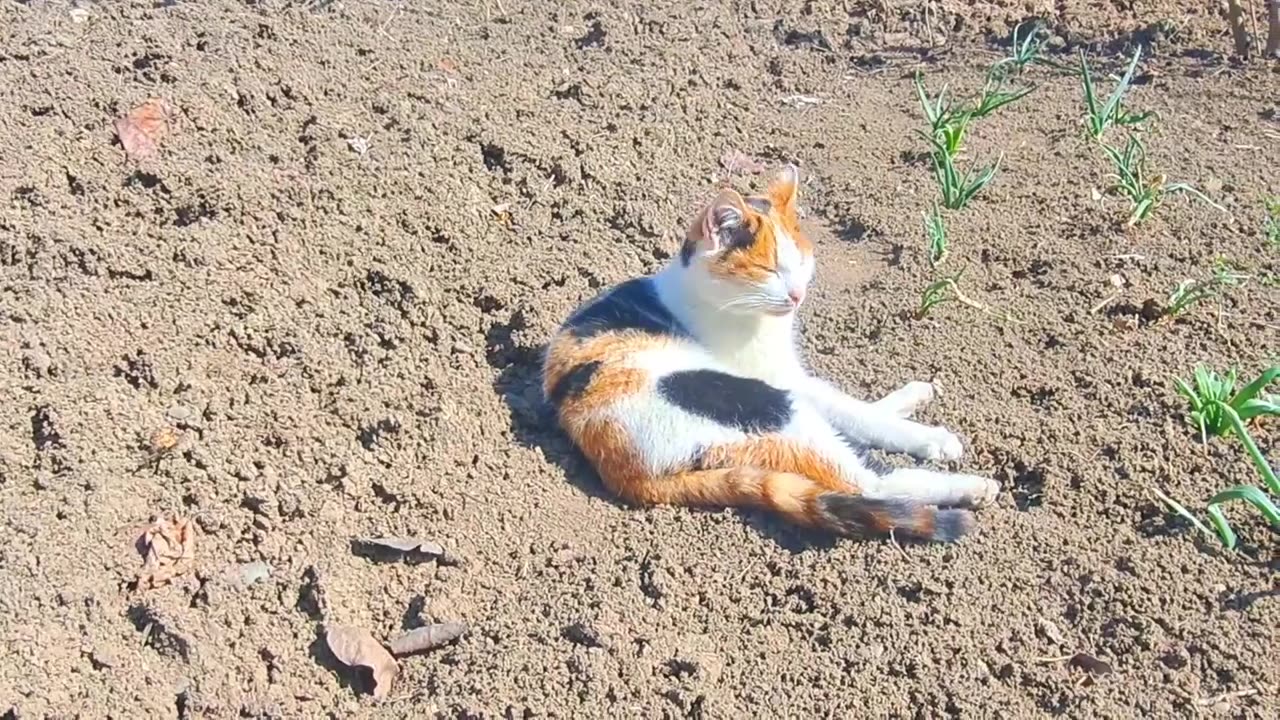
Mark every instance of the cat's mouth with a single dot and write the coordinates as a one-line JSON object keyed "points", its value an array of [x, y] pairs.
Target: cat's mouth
{"points": [[779, 311]]}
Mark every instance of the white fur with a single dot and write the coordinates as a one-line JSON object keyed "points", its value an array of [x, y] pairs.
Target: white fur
{"points": [[739, 331]]}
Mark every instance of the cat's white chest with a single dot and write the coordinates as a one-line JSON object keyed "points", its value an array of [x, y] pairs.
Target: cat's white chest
{"points": [[767, 353]]}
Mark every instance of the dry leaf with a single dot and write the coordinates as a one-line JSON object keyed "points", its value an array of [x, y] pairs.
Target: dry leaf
{"points": [[405, 545], [738, 161], [425, 638], [169, 549], [411, 549], [163, 441], [447, 65], [1090, 664], [1125, 322], [142, 128], [355, 647]]}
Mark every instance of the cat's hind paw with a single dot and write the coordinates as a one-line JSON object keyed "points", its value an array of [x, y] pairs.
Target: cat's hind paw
{"points": [[982, 492]]}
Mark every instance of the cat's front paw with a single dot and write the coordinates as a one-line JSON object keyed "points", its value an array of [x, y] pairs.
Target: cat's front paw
{"points": [[904, 401], [942, 445]]}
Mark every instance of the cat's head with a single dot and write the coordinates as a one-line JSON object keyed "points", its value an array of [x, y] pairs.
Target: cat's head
{"points": [[749, 255]]}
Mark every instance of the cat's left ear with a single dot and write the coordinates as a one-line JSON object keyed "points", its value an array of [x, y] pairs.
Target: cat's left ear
{"points": [[785, 189]]}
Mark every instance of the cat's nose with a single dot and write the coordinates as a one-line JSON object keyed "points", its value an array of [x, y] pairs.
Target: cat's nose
{"points": [[797, 296]]}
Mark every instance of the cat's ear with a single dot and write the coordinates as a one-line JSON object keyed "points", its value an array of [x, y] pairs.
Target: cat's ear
{"points": [[717, 221], [784, 189]]}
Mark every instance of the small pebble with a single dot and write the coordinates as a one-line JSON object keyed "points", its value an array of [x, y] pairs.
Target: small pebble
{"points": [[252, 573]]}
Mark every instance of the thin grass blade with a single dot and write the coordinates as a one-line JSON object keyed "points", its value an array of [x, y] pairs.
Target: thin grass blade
{"points": [[1259, 461], [1219, 521], [1254, 497], [1251, 391], [1185, 513]]}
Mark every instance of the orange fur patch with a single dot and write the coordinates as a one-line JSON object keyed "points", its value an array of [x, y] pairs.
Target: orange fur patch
{"points": [[779, 455], [605, 444], [756, 262], [610, 350]]}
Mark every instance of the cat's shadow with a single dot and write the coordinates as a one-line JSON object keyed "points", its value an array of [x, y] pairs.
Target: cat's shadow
{"points": [[533, 425]]}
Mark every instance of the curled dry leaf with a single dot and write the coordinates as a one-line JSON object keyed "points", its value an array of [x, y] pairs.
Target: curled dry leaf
{"points": [[738, 161], [425, 638], [169, 549], [355, 647], [408, 547], [142, 128]]}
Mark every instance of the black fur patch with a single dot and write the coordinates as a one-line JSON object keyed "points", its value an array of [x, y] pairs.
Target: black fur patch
{"points": [[632, 305], [739, 237], [574, 382], [744, 403]]}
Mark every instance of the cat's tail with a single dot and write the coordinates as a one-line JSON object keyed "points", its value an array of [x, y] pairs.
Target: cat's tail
{"points": [[805, 502]]}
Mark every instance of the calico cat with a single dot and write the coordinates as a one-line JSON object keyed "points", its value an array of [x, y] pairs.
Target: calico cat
{"points": [[686, 387]]}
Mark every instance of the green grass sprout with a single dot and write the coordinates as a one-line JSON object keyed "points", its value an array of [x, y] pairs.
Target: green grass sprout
{"points": [[957, 190], [1249, 494], [948, 123], [1221, 528], [1026, 49], [1190, 292], [1216, 408], [937, 293], [1271, 225], [1101, 117], [1144, 193], [994, 97], [935, 231]]}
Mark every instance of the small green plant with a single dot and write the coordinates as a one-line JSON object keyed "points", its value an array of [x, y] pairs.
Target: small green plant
{"points": [[1271, 225], [935, 231], [938, 292], [948, 123], [1190, 292], [1026, 49], [957, 190], [1143, 192], [1218, 410], [1221, 528], [1101, 117]]}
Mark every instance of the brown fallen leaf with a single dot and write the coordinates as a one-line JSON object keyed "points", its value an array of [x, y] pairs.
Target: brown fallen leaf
{"points": [[1090, 664], [355, 647], [447, 65], [427, 637], [738, 161], [142, 128], [410, 547], [169, 549]]}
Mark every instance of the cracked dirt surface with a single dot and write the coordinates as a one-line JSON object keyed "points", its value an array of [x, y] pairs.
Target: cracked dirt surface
{"points": [[336, 276]]}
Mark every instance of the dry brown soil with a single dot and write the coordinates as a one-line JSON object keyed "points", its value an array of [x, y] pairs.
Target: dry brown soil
{"points": [[348, 342]]}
